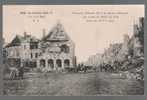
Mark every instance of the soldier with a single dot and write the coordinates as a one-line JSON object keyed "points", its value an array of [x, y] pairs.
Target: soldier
{"points": [[21, 72]]}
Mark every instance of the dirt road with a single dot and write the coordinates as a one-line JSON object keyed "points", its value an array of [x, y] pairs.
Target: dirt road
{"points": [[74, 84]]}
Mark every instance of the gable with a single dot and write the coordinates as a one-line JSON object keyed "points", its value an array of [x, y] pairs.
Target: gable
{"points": [[57, 34], [22, 39], [15, 42]]}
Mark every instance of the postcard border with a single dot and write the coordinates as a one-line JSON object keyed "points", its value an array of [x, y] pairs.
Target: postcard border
{"points": [[78, 2]]}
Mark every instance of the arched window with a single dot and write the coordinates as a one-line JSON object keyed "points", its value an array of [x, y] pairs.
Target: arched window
{"points": [[64, 48], [42, 63], [66, 63], [51, 63], [59, 63], [36, 55]]}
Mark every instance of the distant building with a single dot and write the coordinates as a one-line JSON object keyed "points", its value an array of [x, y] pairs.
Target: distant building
{"points": [[138, 38], [54, 51]]}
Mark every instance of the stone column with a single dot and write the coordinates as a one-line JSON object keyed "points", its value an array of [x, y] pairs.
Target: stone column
{"points": [[38, 63], [46, 63], [62, 63], [55, 66]]}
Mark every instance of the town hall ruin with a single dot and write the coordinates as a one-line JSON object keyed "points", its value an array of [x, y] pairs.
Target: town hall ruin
{"points": [[54, 51]]}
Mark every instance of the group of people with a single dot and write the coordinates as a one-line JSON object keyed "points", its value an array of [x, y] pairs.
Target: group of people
{"points": [[17, 73]]}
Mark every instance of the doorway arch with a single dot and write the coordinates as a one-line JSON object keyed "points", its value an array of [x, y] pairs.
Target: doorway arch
{"points": [[51, 63], [42, 63], [66, 63], [59, 63]]}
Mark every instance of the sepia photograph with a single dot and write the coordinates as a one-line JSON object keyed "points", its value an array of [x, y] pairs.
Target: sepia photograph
{"points": [[73, 50]]}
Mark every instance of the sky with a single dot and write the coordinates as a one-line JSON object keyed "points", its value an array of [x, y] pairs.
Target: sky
{"points": [[85, 24]]}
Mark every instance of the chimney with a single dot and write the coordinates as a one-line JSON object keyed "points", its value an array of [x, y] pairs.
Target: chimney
{"points": [[25, 34]]}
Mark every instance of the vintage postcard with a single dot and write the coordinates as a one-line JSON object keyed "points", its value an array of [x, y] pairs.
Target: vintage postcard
{"points": [[73, 50]]}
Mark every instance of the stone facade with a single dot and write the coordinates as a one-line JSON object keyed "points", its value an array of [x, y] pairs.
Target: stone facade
{"points": [[54, 51]]}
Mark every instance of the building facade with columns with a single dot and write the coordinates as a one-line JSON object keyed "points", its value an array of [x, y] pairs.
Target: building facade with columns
{"points": [[54, 51], [57, 50]]}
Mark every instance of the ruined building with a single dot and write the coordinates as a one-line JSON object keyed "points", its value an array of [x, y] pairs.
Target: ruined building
{"points": [[54, 51]]}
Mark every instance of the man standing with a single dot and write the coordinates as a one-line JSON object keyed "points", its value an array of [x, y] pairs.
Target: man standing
{"points": [[21, 72]]}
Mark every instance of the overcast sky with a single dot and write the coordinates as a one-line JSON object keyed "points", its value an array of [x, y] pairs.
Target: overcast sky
{"points": [[89, 37]]}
